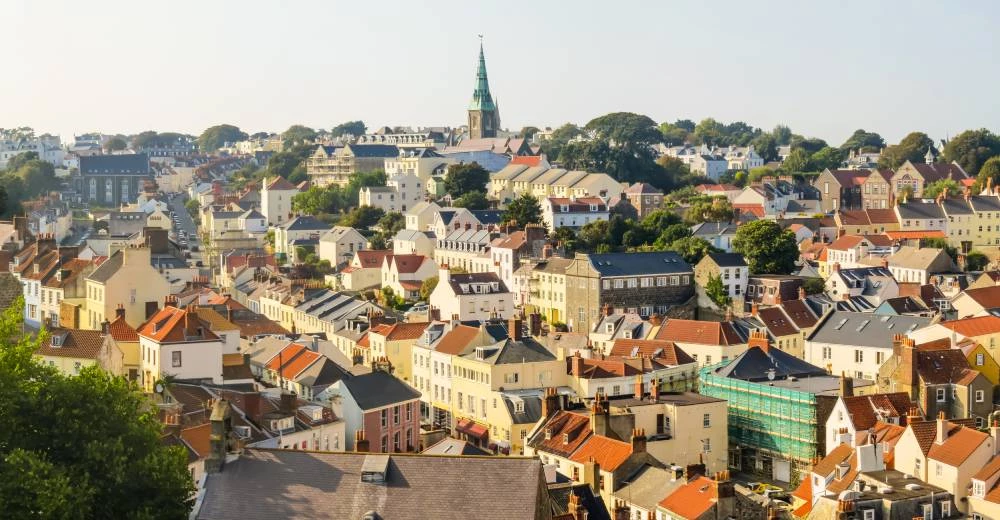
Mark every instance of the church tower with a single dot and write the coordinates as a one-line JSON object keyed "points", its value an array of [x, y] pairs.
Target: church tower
{"points": [[484, 115]]}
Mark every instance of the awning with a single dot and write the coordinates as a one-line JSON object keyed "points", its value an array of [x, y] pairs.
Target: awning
{"points": [[472, 428]]}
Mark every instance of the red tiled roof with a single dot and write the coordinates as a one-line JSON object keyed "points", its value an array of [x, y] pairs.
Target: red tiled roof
{"points": [[753, 209], [990, 469], [699, 332], [372, 258], [926, 431], [845, 242], [776, 322], [575, 426], [665, 351], [406, 264], [527, 160], [455, 340], [76, 343], [957, 448], [977, 326], [402, 331], [173, 325], [866, 410], [122, 331], [286, 354], [411, 285], [882, 216], [199, 438], [829, 463], [692, 500], [607, 452], [902, 235], [280, 183]]}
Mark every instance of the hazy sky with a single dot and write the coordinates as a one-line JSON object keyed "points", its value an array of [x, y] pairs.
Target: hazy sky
{"points": [[823, 68]]}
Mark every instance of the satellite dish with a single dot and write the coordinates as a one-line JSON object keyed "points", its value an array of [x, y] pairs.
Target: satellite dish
{"points": [[158, 388]]}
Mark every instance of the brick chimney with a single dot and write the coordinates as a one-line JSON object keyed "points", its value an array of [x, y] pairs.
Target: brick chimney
{"points": [[638, 387], [120, 311], [995, 433], [836, 267], [550, 402], [221, 427], [885, 262], [802, 293], [726, 506], [758, 338], [846, 385], [654, 391], [907, 372], [942, 429], [515, 328], [576, 364], [754, 309], [289, 402], [535, 324], [170, 301], [576, 508], [360, 442], [638, 440], [599, 417], [592, 475]]}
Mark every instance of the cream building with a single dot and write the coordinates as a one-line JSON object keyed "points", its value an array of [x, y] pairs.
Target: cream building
{"points": [[126, 278]]}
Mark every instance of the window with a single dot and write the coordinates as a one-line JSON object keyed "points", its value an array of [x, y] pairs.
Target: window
{"points": [[385, 444], [945, 508], [859, 356], [928, 511], [606, 284], [395, 442], [980, 359], [616, 390], [395, 414], [940, 395], [938, 469], [979, 396], [706, 445], [978, 488], [916, 466], [632, 283], [384, 416], [869, 514], [879, 358], [827, 353], [619, 284], [706, 420], [175, 359], [661, 281]]}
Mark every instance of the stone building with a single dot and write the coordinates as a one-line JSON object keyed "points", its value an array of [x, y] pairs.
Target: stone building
{"points": [[484, 114], [110, 180]]}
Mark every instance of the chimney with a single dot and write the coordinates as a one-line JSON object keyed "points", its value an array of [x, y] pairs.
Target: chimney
{"points": [[995, 433], [105, 326], [726, 506], [655, 320], [693, 471], [576, 364], [535, 324], [754, 309], [575, 508], [170, 301], [599, 417], [550, 402], [758, 338], [638, 387], [621, 511], [638, 440], [444, 274], [836, 267], [221, 427], [907, 362], [360, 442], [655, 390], [289, 402], [514, 328], [802, 293], [251, 405], [592, 475], [120, 312], [846, 385], [942, 429]]}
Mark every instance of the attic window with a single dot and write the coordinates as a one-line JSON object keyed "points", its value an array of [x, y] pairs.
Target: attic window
{"points": [[565, 438], [375, 469]]}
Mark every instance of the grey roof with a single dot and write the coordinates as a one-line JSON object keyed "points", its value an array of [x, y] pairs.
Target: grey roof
{"points": [[955, 206], [374, 150], [711, 229], [124, 164], [333, 306], [635, 264], [553, 265], [648, 487], [269, 484], [452, 446], [919, 209], [491, 280], [108, 268], [378, 389], [251, 213], [728, 259], [306, 223], [508, 352], [864, 329], [487, 216], [324, 372], [531, 411], [508, 172], [410, 234], [755, 364], [985, 202]]}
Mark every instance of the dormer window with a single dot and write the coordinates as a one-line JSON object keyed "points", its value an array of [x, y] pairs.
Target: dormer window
{"points": [[609, 328], [565, 438], [564, 208]]}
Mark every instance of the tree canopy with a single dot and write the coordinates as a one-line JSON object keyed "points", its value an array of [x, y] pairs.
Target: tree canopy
{"points": [[464, 178], [912, 148], [472, 200], [353, 128], [115, 144], [990, 170], [559, 139], [864, 141], [523, 210], [154, 139], [362, 217], [767, 248], [949, 187], [86, 446], [972, 148], [298, 135], [215, 137], [528, 132]]}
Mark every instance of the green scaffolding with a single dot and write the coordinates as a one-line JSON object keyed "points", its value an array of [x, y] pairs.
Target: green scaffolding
{"points": [[773, 420]]}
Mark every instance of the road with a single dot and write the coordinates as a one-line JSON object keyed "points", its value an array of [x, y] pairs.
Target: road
{"points": [[187, 225]]}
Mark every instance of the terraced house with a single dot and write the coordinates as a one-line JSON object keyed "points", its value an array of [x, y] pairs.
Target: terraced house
{"points": [[642, 283]]}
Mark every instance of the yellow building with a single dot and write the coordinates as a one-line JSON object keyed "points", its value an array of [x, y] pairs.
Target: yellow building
{"points": [[547, 289], [71, 350], [128, 341], [981, 360], [983, 331], [128, 279], [395, 342]]}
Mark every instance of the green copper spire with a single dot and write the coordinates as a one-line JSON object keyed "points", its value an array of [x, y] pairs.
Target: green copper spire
{"points": [[481, 97]]}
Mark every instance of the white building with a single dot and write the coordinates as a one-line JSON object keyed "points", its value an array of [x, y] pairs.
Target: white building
{"points": [[420, 217], [400, 193], [178, 343], [472, 296], [411, 242], [276, 200], [855, 343], [573, 213], [339, 245], [423, 162]]}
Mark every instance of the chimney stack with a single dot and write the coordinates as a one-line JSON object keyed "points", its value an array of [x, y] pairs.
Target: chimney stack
{"points": [[802, 293], [638, 440], [846, 385], [942, 429], [514, 328], [758, 338], [550, 402], [219, 437], [289, 402], [654, 391], [360, 442], [120, 311], [638, 387], [995, 433], [592, 475], [599, 416], [576, 364], [754, 309]]}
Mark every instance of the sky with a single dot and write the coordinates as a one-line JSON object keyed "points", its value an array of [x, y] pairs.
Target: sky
{"points": [[822, 68]]}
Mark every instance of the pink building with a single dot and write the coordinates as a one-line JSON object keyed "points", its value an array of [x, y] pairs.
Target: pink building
{"points": [[385, 409]]}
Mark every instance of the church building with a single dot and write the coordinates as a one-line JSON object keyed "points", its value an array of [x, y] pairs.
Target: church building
{"points": [[484, 114]]}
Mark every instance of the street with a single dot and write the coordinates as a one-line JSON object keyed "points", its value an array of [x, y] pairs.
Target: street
{"points": [[187, 225]]}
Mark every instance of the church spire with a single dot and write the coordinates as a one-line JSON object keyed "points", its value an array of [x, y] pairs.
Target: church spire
{"points": [[929, 156], [481, 97]]}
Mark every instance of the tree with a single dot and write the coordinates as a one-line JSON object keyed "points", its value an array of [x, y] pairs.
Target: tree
{"points": [[782, 134], [625, 129], [709, 131], [827, 158], [215, 137], [464, 178], [863, 141], [362, 217], [976, 261], [797, 161], [814, 285], [352, 128], [670, 235], [971, 148], [674, 134], [674, 173], [20, 160], [193, 208], [84, 446], [766, 147], [528, 132], [39, 177], [285, 163], [472, 200], [523, 210], [990, 170], [940, 243], [810, 145], [717, 292], [912, 148], [767, 248], [427, 287], [297, 135], [758, 173], [714, 209], [566, 238], [949, 187], [115, 144], [391, 223], [692, 249], [560, 137]]}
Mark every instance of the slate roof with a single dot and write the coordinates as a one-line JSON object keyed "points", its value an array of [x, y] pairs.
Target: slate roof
{"points": [[711, 229], [456, 280], [324, 485], [920, 210], [512, 352], [728, 259], [374, 150], [108, 268], [638, 264], [124, 164], [76, 343], [754, 365], [379, 389], [853, 328], [776, 322], [531, 412], [306, 223]]}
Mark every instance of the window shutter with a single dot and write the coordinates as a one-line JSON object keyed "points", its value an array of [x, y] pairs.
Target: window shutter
{"points": [[659, 423]]}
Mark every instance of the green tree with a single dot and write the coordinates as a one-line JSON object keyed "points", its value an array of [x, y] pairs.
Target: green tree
{"points": [[716, 291], [758, 173], [972, 148], [797, 161], [941, 243], [714, 209], [814, 285], [949, 187], [674, 134], [828, 157], [285, 163], [317, 200], [298, 135], [215, 137], [20, 160], [782, 134], [115, 144], [86, 446], [912, 148], [353, 128], [528, 132], [976, 261], [674, 173], [864, 141], [990, 170], [38, 177], [464, 178], [766, 147], [709, 131], [566, 238], [810, 145], [427, 287], [472, 200], [524, 210], [692, 249], [560, 137], [625, 129], [193, 208], [670, 235], [767, 248], [391, 223], [362, 217]]}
